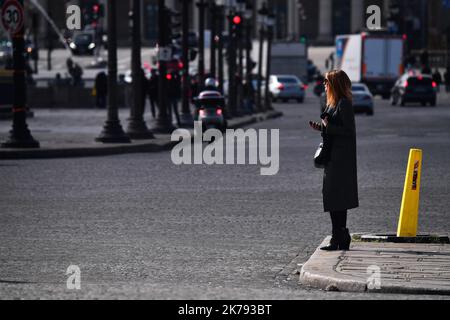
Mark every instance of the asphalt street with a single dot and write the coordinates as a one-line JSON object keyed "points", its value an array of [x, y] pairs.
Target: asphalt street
{"points": [[140, 227]]}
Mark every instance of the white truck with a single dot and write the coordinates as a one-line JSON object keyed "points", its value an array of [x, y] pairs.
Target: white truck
{"points": [[373, 59], [290, 58]]}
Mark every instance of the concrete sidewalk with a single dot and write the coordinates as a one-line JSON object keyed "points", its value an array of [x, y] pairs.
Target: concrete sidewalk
{"points": [[403, 268], [66, 133]]}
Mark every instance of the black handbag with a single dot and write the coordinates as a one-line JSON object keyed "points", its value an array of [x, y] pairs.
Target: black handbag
{"points": [[320, 158], [323, 153]]}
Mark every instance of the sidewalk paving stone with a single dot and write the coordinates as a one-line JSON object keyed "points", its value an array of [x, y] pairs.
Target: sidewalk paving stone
{"points": [[404, 268]]}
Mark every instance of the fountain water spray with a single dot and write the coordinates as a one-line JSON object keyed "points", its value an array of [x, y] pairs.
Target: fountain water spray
{"points": [[52, 24]]}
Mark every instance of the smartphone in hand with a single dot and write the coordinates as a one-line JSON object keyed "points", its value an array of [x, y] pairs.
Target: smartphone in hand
{"points": [[315, 126]]}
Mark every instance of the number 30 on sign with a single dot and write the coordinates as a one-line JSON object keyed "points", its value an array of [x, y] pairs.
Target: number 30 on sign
{"points": [[12, 16]]}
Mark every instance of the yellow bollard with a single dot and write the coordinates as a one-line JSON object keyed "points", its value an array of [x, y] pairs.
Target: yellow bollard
{"points": [[409, 212]]}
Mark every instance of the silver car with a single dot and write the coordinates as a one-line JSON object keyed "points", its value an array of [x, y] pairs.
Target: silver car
{"points": [[362, 99], [286, 87]]}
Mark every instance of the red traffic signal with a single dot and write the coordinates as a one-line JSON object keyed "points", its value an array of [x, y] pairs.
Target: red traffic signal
{"points": [[237, 20], [169, 76]]}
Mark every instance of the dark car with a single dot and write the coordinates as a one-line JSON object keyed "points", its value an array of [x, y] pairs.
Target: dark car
{"points": [[83, 44], [414, 87]]}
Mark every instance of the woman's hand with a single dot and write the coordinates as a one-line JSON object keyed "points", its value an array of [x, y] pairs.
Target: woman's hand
{"points": [[315, 126]]}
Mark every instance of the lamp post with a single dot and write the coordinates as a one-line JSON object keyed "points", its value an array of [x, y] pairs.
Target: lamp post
{"points": [[112, 130], [262, 17], [270, 25], [137, 129], [187, 119], [163, 123], [201, 43], [240, 43], [20, 136], [248, 46], [220, 29], [213, 47], [232, 46]]}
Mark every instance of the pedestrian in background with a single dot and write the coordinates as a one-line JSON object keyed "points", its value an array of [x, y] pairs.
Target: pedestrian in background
{"points": [[174, 94], [447, 79], [195, 87], [153, 85], [340, 183], [426, 69], [75, 71], [101, 89], [144, 89], [249, 97], [438, 79], [425, 58]]}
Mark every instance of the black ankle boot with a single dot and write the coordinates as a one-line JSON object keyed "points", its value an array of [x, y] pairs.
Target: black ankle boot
{"points": [[344, 240], [333, 246]]}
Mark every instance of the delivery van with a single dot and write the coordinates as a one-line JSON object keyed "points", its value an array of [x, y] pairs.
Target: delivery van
{"points": [[373, 59]]}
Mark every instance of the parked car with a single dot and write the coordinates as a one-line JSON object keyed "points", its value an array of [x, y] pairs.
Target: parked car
{"points": [[286, 87], [83, 43], [362, 99], [414, 87]]}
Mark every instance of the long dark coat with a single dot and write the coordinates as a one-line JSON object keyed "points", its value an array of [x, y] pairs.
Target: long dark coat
{"points": [[340, 181]]}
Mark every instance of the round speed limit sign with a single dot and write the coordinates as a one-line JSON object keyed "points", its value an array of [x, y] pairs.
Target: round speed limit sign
{"points": [[12, 16]]}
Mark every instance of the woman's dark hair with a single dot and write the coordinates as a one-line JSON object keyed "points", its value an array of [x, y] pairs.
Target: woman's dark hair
{"points": [[339, 87]]}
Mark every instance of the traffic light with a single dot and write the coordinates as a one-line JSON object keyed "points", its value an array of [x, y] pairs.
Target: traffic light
{"points": [[237, 20], [94, 13], [174, 24], [303, 39]]}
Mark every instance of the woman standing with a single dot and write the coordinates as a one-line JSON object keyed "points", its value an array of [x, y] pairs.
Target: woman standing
{"points": [[340, 185]]}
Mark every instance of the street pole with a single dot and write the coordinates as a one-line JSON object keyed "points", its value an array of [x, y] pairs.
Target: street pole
{"points": [[240, 73], [137, 128], [248, 48], [112, 130], [201, 45], [268, 101], [232, 94], [186, 118], [262, 17], [213, 24], [220, 17], [35, 26], [163, 122], [20, 136], [49, 44]]}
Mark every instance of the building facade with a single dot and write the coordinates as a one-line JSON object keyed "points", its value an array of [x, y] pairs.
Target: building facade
{"points": [[426, 22]]}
